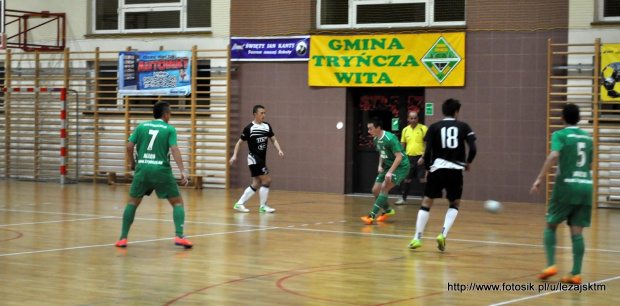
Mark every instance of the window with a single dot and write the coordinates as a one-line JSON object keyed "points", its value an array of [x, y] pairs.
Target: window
{"points": [[343, 14], [152, 16], [608, 10]]}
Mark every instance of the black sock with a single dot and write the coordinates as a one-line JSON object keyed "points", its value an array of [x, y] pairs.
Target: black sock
{"points": [[405, 188]]}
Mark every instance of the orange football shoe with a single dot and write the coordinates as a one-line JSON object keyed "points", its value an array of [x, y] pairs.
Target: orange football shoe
{"points": [[121, 243], [548, 272], [386, 215], [368, 219], [571, 279], [183, 241]]}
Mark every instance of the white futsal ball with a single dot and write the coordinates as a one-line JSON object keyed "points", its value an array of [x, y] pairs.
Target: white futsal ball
{"points": [[493, 206]]}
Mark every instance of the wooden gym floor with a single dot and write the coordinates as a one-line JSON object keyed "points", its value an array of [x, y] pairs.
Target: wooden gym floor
{"points": [[56, 247]]}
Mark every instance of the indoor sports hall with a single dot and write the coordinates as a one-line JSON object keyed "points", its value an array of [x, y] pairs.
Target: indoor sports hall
{"points": [[77, 78]]}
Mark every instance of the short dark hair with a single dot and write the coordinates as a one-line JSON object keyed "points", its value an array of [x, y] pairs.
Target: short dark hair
{"points": [[160, 108], [570, 113], [376, 122], [450, 107], [256, 108]]}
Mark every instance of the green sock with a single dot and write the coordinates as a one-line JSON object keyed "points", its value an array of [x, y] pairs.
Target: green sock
{"points": [[178, 214], [128, 216], [379, 203], [549, 241], [579, 247], [386, 207]]}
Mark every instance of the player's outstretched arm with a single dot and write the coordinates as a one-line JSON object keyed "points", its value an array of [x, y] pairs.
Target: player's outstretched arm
{"points": [[132, 160], [234, 156], [176, 154], [277, 145], [549, 162]]}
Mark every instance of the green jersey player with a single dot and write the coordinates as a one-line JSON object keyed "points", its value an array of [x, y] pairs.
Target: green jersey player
{"points": [[393, 169], [571, 199], [154, 140]]}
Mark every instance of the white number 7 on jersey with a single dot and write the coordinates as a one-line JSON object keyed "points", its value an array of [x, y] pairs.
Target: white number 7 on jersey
{"points": [[154, 133]]}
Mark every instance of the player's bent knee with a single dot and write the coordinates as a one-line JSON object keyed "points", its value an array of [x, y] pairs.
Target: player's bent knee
{"points": [[176, 201]]}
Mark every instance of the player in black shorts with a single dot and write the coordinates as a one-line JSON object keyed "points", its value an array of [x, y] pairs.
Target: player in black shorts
{"points": [[257, 134], [445, 159]]}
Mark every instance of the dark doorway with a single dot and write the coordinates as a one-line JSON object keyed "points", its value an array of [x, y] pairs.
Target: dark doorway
{"points": [[386, 104]]}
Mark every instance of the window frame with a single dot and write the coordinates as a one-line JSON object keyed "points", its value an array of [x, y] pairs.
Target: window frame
{"points": [[123, 8], [352, 16], [600, 9]]}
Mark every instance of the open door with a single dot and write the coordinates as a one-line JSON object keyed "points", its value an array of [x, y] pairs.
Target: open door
{"points": [[391, 105]]}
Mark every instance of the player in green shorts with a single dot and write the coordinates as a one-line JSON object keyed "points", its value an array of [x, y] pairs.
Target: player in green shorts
{"points": [[392, 159], [571, 199], [154, 140]]}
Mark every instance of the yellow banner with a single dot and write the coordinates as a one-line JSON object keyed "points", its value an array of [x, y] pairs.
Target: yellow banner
{"points": [[610, 72], [415, 60]]}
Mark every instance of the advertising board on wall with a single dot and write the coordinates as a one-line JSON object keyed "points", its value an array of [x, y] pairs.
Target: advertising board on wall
{"points": [[154, 73], [285, 48], [414, 60]]}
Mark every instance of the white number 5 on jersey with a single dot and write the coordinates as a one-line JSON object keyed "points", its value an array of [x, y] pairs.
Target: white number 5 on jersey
{"points": [[581, 153]]}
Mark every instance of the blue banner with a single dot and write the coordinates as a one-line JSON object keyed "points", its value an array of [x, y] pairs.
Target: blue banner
{"points": [[154, 73], [294, 48]]}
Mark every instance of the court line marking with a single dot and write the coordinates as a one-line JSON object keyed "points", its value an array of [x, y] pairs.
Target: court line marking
{"points": [[451, 239], [25, 204], [58, 221], [132, 242], [273, 273], [120, 217], [261, 228], [306, 229], [551, 292], [48, 212]]}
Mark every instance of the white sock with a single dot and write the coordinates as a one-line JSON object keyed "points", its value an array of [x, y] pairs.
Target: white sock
{"points": [[421, 223], [450, 217], [263, 192], [247, 194]]}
